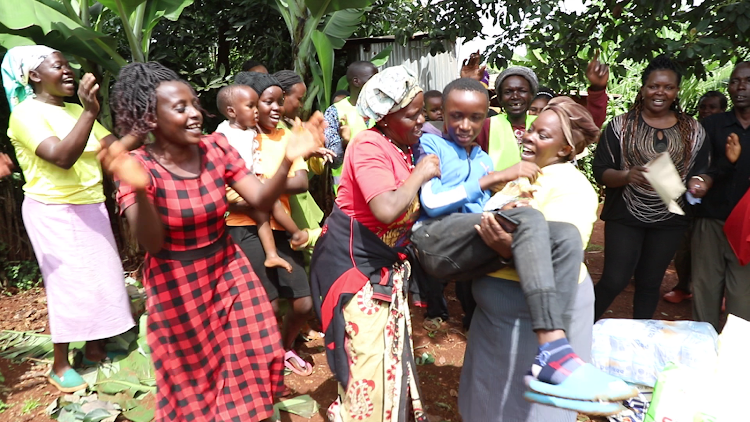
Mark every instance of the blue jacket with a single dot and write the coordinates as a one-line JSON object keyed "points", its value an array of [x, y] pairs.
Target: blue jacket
{"points": [[457, 190]]}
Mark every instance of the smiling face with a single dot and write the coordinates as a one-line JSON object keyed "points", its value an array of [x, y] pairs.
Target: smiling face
{"points": [[433, 109], [544, 143], [270, 107], [465, 112], [53, 77], [739, 87], [515, 96], [293, 100], [178, 117], [405, 126], [244, 107], [660, 91]]}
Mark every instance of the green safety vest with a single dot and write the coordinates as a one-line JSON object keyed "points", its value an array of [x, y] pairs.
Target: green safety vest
{"points": [[503, 147], [356, 124]]}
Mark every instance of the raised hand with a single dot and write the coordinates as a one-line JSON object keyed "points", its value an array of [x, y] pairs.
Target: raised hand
{"points": [[597, 73], [6, 165], [306, 139], [116, 160], [428, 167], [734, 149], [470, 67], [87, 90]]}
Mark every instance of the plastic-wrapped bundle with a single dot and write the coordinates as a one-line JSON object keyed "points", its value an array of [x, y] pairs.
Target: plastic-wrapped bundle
{"points": [[637, 350]]}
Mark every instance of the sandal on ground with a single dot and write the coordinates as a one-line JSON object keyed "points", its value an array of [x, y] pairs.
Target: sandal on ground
{"points": [[70, 382], [587, 383], [677, 296], [302, 367], [433, 324], [591, 408]]}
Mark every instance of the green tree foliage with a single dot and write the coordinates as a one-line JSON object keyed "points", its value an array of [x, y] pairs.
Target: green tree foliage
{"points": [[695, 33]]}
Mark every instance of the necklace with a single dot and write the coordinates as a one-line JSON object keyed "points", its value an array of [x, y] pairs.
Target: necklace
{"points": [[406, 158]]}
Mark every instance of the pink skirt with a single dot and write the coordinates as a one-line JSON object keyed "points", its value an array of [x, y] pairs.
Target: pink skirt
{"points": [[81, 268]]}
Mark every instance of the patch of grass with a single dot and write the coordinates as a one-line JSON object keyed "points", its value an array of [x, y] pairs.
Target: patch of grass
{"points": [[4, 406], [29, 405], [594, 248]]}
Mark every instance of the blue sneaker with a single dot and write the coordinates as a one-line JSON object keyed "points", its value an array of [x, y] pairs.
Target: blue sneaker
{"points": [[592, 408], [587, 383]]}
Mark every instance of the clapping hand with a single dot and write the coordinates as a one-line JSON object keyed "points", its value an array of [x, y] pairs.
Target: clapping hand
{"points": [[6, 165], [87, 90], [307, 139], [733, 148], [117, 161]]}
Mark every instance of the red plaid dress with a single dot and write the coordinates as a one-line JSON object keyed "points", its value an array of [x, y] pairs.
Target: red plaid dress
{"points": [[212, 332]]}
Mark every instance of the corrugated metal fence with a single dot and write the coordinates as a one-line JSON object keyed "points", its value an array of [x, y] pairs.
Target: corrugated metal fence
{"points": [[434, 72]]}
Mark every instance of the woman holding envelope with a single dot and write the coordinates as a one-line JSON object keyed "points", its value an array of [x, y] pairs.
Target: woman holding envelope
{"points": [[644, 222]]}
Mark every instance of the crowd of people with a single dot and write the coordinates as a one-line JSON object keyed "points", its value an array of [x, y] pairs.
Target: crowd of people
{"points": [[430, 188]]}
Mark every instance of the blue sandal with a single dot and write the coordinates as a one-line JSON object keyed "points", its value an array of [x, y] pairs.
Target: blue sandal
{"points": [[70, 382], [592, 408], [589, 384]]}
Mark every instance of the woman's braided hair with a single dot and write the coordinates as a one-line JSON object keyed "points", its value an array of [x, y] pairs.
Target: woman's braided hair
{"points": [[287, 79], [661, 62], [133, 99]]}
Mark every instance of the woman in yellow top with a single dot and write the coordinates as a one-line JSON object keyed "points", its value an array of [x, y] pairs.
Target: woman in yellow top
{"points": [[56, 144], [501, 345]]}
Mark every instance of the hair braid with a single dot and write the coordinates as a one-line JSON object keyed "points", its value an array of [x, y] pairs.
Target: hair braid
{"points": [[133, 99]]}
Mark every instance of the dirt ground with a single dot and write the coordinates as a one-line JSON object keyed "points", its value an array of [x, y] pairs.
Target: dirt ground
{"points": [[27, 393]]}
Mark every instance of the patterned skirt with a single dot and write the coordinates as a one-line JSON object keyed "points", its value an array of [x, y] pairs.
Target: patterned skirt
{"points": [[383, 384], [213, 337]]}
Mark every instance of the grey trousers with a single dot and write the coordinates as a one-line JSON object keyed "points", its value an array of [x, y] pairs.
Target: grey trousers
{"points": [[715, 268], [546, 255], [502, 347]]}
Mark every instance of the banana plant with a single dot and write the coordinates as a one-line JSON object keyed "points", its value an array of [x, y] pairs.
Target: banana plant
{"points": [[75, 27], [317, 28]]}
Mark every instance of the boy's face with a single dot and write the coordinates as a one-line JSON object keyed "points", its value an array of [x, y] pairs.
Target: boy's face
{"points": [[244, 107], [270, 107], [464, 113], [433, 109]]}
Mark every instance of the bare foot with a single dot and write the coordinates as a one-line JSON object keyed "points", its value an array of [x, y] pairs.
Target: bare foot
{"points": [[277, 261], [299, 239], [94, 351]]}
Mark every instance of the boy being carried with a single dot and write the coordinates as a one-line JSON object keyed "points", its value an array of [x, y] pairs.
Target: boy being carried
{"points": [[238, 103], [551, 252]]}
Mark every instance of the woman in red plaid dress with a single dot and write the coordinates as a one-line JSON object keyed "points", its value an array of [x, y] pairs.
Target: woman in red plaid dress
{"points": [[213, 335]]}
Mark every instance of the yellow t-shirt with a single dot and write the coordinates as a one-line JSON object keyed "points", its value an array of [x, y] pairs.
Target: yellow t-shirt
{"points": [[272, 152], [563, 194], [34, 121]]}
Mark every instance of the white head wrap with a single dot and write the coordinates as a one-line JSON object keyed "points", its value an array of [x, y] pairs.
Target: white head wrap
{"points": [[387, 92], [17, 64]]}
